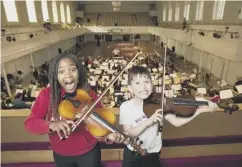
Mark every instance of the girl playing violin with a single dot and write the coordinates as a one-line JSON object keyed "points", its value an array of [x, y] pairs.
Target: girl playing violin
{"points": [[66, 75], [137, 125]]}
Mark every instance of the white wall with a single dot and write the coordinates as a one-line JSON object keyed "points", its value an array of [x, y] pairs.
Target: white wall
{"points": [[145, 37], [89, 37], [211, 62], [126, 6], [23, 63], [207, 43]]}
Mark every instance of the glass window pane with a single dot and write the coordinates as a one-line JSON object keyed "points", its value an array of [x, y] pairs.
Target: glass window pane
{"points": [[68, 14], [62, 10], [10, 10], [31, 10], [45, 10], [164, 13], [55, 13]]}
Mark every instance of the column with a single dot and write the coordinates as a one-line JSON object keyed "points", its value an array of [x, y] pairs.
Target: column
{"points": [[6, 81], [31, 59], [226, 70], [48, 53], [201, 60]]}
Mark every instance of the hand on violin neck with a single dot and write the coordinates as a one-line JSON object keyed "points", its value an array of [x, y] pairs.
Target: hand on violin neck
{"points": [[155, 118], [62, 127]]}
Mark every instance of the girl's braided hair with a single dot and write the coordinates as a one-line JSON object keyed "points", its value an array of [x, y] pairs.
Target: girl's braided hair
{"points": [[55, 87]]}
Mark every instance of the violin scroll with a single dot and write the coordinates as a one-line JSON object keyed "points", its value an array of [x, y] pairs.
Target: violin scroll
{"points": [[137, 148]]}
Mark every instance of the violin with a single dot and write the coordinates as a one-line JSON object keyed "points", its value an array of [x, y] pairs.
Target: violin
{"points": [[102, 120], [186, 106]]}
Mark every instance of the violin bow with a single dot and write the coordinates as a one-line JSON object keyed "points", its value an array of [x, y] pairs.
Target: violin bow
{"points": [[164, 51]]}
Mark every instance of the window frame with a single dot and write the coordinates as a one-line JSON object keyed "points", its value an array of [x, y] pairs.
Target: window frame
{"points": [[68, 14], [218, 11], [186, 13], [170, 12], [199, 11], [177, 12], [55, 12], [63, 15], [164, 13]]}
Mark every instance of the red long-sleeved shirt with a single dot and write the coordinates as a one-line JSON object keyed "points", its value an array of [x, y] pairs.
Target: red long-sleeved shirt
{"points": [[79, 142]]}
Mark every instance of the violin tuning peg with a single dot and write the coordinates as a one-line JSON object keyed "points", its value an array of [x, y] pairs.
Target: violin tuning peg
{"points": [[137, 139], [141, 142]]}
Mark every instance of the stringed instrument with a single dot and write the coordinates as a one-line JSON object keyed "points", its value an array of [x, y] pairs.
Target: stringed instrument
{"points": [[186, 106]]}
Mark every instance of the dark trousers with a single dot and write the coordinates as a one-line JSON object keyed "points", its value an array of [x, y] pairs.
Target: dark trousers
{"points": [[133, 160], [90, 159]]}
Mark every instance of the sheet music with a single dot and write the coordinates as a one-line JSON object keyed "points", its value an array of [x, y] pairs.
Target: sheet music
{"points": [[202, 91], [167, 77], [98, 71], [239, 88], [124, 82], [176, 87], [18, 91], [34, 93], [226, 94]]}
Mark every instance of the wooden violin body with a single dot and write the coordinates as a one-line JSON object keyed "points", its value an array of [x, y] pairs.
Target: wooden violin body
{"points": [[71, 106], [99, 122], [185, 106], [170, 106]]}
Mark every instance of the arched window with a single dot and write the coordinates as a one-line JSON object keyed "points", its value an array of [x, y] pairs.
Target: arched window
{"points": [[62, 11], [164, 13], [240, 12], [55, 13], [170, 12], [199, 12], [187, 10], [177, 12], [10, 10], [31, 10], [218, 9], [45, 10], [68, 12]]}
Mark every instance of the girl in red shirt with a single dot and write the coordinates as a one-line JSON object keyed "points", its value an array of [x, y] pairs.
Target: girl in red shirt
{"points": [[66, 75]]}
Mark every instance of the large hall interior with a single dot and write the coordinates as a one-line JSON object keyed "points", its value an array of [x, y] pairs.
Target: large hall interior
{"points": [[192, 49]]}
